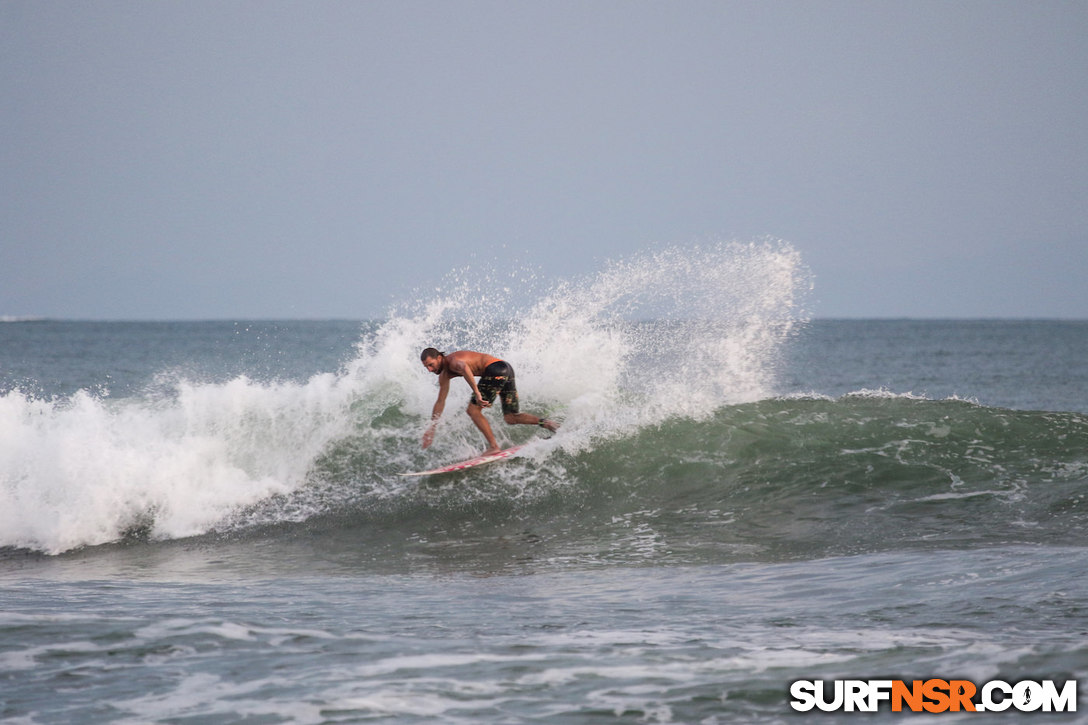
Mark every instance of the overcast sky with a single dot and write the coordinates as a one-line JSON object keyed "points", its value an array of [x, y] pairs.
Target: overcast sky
{"points": [[183, 160]]}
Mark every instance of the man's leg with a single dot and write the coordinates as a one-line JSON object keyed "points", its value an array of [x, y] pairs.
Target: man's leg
{"points": [[510, 408], [477, 414], [529, 419]]}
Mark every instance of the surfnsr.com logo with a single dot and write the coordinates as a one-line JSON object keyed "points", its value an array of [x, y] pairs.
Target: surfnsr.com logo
{"points": [[933, 695]]}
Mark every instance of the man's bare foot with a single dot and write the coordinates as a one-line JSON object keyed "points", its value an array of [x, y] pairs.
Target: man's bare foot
{"points": [[489, 451], [550, 425]]}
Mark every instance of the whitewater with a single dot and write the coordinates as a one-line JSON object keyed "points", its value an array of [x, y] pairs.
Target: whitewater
{"points": [[203, 521], [181, 456]]}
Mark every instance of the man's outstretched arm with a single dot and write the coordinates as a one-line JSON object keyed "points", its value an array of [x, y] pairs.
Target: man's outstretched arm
{"points": [[436, 412]]}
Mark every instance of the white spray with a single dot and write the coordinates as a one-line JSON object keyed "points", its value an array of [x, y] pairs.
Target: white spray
{"points": [[676, 332]]}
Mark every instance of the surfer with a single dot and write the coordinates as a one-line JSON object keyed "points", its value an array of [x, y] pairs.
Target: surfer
{"points": [[496, 377]]}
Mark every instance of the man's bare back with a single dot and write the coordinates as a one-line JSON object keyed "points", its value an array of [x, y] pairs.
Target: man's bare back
{"points": [[462, 361]]}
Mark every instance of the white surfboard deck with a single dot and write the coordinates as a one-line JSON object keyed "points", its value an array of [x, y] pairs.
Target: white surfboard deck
{"points": [[470, 463]]}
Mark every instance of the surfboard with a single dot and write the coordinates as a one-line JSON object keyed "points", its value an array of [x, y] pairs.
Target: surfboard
{"points": [[470, 463]]}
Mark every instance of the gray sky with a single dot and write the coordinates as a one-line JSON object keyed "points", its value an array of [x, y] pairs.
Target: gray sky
{"points": [[322, 159]]}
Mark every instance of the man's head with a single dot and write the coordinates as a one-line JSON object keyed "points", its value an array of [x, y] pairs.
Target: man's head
{"points": [[432, 360]]}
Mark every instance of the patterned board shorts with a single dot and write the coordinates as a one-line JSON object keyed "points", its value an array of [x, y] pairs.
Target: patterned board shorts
{"points": [[498, 379]]}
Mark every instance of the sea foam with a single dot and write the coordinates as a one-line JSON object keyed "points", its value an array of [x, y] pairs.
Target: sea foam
{"points": [[678, 331]]}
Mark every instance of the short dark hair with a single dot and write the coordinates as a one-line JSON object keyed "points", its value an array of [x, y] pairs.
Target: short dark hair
{"points": [[429, 353]]}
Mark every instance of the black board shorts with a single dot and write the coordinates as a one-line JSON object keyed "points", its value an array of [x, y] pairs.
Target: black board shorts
{"points": [[498, 379]]}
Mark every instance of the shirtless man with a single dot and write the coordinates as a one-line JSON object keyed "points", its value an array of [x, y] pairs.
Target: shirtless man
{"points": [[496, 376]]}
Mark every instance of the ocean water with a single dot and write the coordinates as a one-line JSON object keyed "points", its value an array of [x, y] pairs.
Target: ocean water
{"points": [[201, 522]]}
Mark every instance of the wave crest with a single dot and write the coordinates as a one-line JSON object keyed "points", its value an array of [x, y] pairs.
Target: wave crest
{"points": [[193, 456]]}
